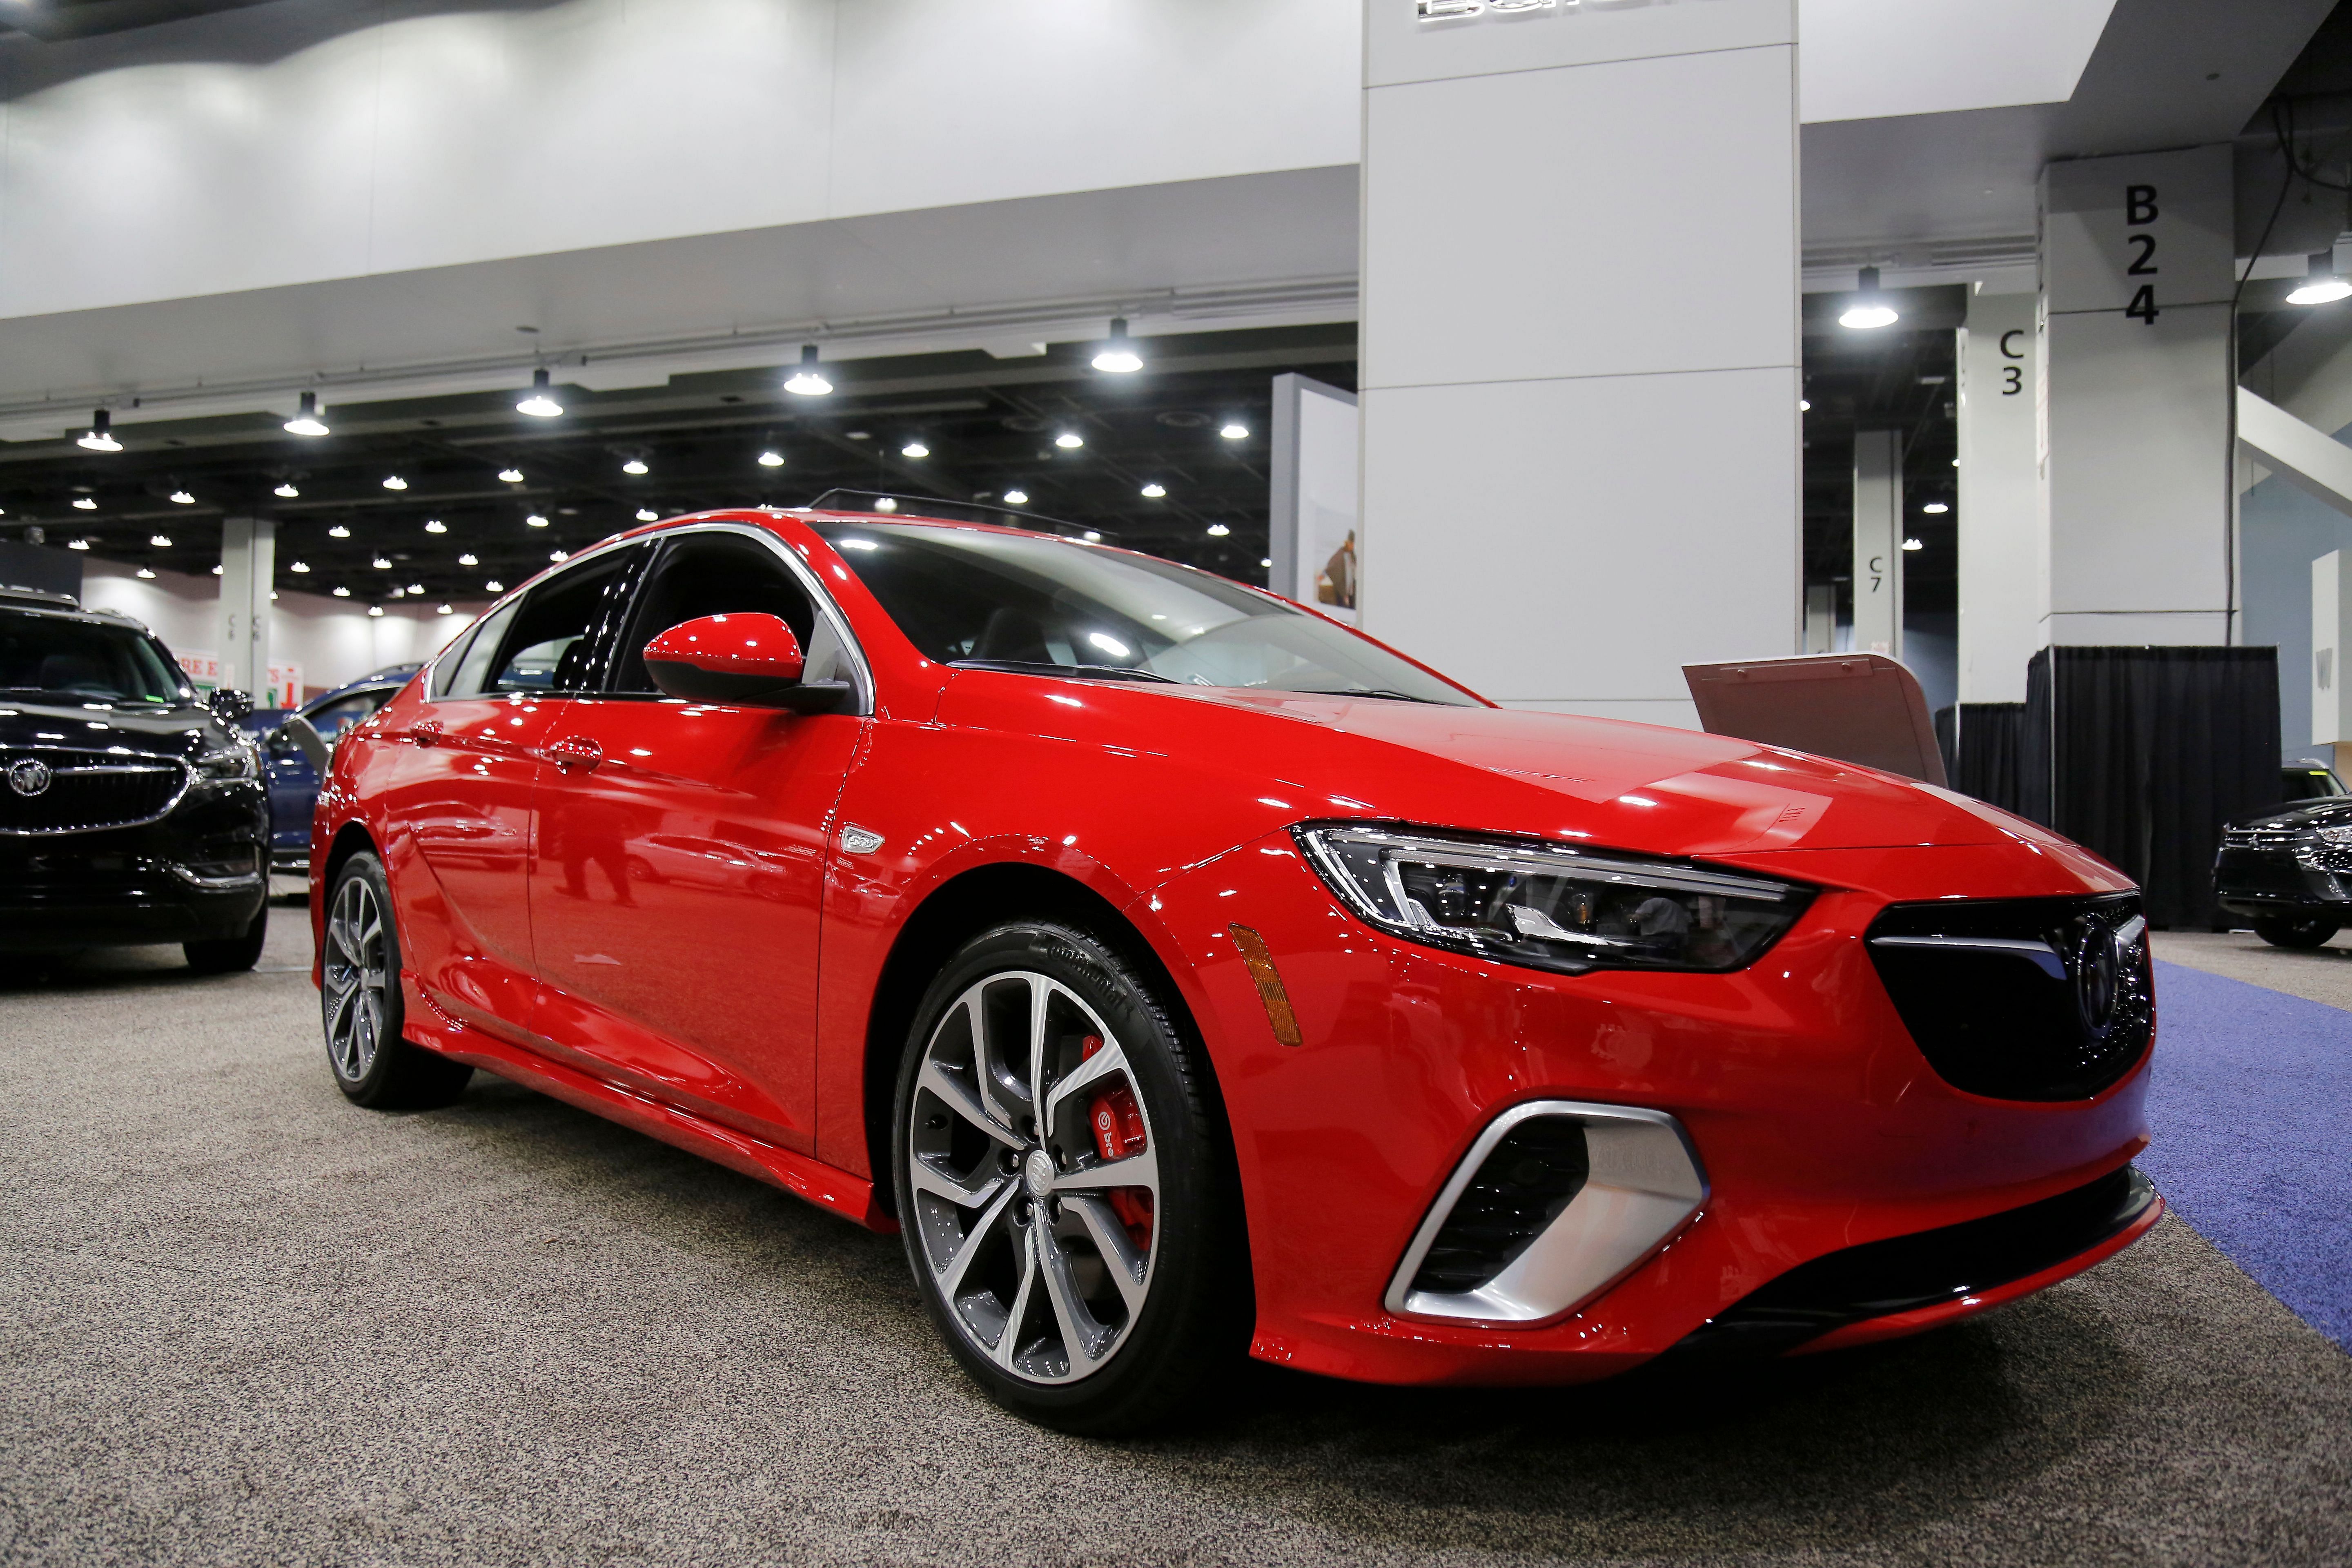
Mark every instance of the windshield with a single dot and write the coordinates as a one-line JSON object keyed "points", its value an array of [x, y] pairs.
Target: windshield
{"points": [[981, 599], [57, 655]]}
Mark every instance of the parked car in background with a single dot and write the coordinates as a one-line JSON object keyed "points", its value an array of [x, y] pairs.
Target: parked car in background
{"points": [[2309, 780], [131, 812], [286, 765]]}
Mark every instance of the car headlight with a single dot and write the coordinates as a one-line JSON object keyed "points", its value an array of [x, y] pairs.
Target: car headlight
{"points": [[2339, 837], [229, 762], [1550, 907]]}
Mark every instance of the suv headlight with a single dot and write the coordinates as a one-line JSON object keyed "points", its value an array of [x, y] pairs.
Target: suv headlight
{"points": [[2337, 837], [236, 762], [1549, 906]]}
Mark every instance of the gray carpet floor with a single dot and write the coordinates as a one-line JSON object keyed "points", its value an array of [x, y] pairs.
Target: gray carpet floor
{"points": [[246, 1323]]}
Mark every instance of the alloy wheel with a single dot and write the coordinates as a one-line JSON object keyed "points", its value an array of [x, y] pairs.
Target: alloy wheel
{"points": [[356, 975], [1035, 1177]]}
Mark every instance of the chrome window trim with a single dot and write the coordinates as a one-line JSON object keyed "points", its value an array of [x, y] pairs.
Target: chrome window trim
{"points": [[1646, 1182], [2041, 953], [151, 763]]}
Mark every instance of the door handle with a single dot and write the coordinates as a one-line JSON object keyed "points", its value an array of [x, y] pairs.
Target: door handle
{"points": [[425, 733], [576, 752]]}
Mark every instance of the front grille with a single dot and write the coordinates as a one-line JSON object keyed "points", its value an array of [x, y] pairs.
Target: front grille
{"points": [[87, 790], [2021, 998], [2240, 872], [1532, 1174], [2260, 837], [1927, 1268]]}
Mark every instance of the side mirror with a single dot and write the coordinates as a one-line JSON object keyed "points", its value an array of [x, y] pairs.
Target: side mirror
{"points": [[747, 660], [229, 705]]}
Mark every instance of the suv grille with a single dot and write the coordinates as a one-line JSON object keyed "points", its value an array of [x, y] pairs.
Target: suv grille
{"points": [[85, 790], [1533, 1173], [2261, 837], [2021, 998]]}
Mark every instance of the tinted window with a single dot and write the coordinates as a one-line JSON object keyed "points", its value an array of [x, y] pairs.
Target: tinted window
{"points": [[333, 718], [977, 597], [703, 575], [467, 672], [561, 630], [56, 656]]}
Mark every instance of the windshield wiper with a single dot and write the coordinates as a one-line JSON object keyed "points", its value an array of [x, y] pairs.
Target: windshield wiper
{"points": [[1082, 671], [1368, 691]]}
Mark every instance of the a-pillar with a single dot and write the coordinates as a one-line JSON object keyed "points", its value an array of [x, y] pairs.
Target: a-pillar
{"points": [[1580, 368], [2136, 492], [2003, 560], [249, 567]]}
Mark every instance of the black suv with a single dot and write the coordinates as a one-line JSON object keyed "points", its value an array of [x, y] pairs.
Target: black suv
{"points": [[130, 811]]}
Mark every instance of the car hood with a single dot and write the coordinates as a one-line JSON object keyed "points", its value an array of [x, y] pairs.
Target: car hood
{"points": [[184, 731], [2329, 809]]}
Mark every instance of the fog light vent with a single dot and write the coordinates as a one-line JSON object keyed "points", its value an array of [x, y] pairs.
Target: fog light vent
{"points": [[1534, 1172]]}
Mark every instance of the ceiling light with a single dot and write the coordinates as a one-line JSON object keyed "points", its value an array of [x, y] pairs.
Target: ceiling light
{"points": [[1218, 530], [85, 504], [1154, 491], [1266, 561], [558, 555], [273, 596], [1913, 545], [539, 404], [534, 520], [434, 525], [445, 610], [183, 498], [859, 434], [1093, 538], [468, 559], [375, 609], [161, 540], [914, 450], [1236, 431], [1804, 405], [416, 587], [1956, 462], [1016, 498], [76, 545], [647, 514], [99, 437], [771, 460], [381, 563], [399, 592], [635, 466], [142, 572], [808, 380], [217, 569], [342, 592], [306, 420], [494, 586], [1935, 509], [299, 566], [1119, 356], [286, 488], [1069, 440], [339, 532], [510, 476], [2324, 285], [394, 482], [886, 504], [1869, 308]]}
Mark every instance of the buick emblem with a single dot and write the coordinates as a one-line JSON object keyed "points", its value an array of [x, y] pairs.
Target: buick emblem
{"points": [[29, 776]]}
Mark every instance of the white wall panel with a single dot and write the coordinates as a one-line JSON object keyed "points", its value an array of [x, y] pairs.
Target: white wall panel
{"points": [[1401, 45], [1864, 58]]}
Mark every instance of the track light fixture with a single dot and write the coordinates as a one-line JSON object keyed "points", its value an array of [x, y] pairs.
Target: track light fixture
{"points": [[1119, 356], [306, 420], [808, 380], [99, 437], [1869, 309], [540, 404]]}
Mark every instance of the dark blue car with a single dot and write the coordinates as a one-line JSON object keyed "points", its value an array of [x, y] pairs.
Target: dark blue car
{"points": [[293, 779]]}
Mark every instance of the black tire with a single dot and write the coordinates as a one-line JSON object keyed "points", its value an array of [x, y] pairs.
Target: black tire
{"points": [[2281, 931], [360, 1007], [229, 954], [1191, 1273]]}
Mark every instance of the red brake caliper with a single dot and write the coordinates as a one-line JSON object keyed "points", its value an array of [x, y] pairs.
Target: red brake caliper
{"points": [[1117, 1122]]}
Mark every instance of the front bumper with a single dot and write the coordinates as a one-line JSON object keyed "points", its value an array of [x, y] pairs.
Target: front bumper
{"points": [[193, 876], [2283, 880], [1816, 1121]]}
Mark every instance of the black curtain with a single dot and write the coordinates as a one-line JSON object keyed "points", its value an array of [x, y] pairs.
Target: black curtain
{"points": [[2140, 755], [1979, 742]]}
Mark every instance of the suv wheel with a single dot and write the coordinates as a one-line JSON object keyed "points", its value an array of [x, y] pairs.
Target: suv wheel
{"points": [[1062, 1185], [2281, 931], [360, 1002]]}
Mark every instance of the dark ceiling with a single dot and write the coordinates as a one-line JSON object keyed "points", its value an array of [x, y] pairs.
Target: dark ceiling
{"points": [[990, 425]]}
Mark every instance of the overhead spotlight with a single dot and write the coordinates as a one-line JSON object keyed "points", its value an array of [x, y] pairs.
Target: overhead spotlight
{"points": [[339, 532], [394, 482], [1804, 405], [885, 503], [144, 573], [510, 476], [468, 559], [1913, 545], [534, 520], [76, 545], [381, 563], [1869, 308], [286, 488], [159, 541], [375, 609], [99, 437], [1154, 491], [914, 450], [540, 404], [306, 420], [2323, 285], [342, 592], [85, 504], [1218, 530], [494, 586], [1069, 440], [1016, 498], [808, 380], [1118, 355], [434, 525], [445, 610], [635, 466], [299, 566], [859, 434], [1093, 538], [416, 587], [399, 592], [1956, 462], [1236, 431], [771, 460], [647, 514], [217, 569], [183, 498], [558, 555], [1266, 560], [1935, 509]]}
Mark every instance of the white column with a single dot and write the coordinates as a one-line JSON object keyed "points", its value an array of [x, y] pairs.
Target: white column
{"points": [[1878, 543], [2331, 639], [1579, 261], [249, 565], [2137, 489], [2004, 560]]}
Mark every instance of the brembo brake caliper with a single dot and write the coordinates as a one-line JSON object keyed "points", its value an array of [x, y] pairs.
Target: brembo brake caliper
{"points": [[1117, 1123]]}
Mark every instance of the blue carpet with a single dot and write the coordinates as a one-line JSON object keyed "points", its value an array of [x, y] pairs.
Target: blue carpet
{"points": [[2251, 1108]]}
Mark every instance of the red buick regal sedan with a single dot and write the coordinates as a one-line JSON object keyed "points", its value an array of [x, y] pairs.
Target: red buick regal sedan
{"points": [[1178, 970]]}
